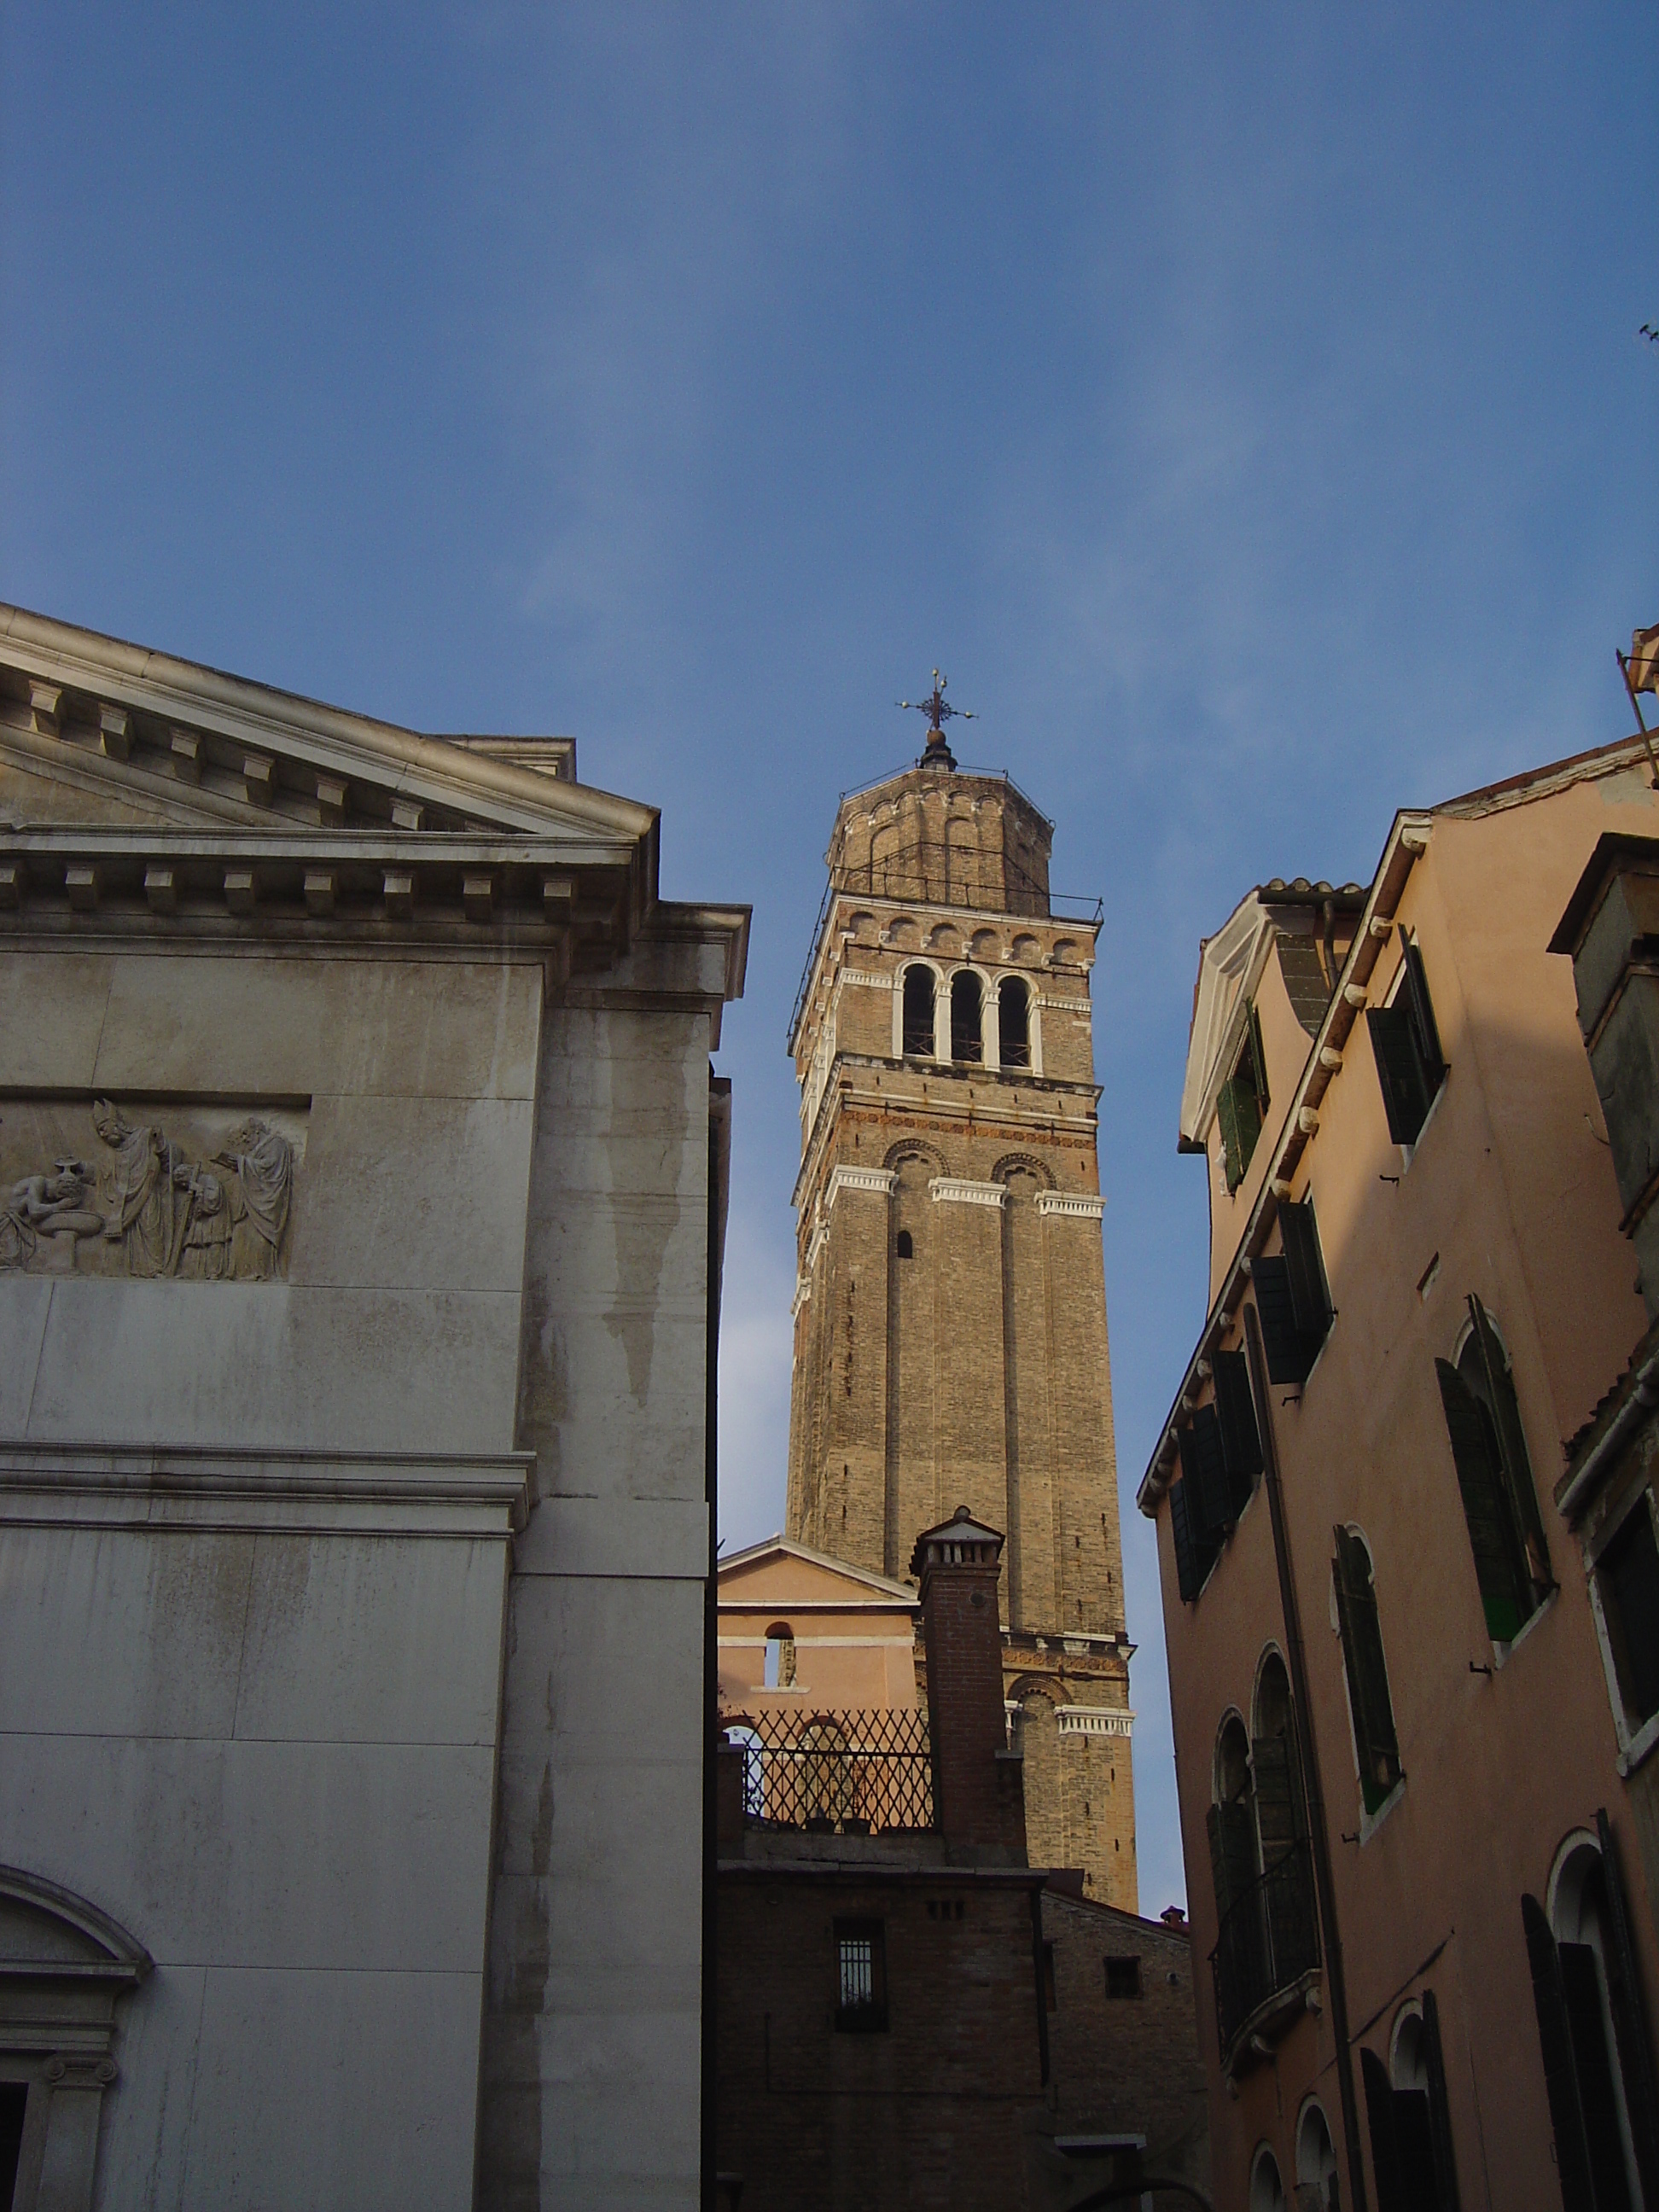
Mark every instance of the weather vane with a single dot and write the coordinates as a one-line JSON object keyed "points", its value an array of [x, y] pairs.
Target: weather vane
{"points": [[937, 708], [939, 711]]}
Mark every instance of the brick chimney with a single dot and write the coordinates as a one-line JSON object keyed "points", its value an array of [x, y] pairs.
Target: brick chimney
{"points": [[979, 1796]]}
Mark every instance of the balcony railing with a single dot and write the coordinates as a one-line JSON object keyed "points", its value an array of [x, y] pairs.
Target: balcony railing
{"points": [[845, 1771], [1269, 1938]]}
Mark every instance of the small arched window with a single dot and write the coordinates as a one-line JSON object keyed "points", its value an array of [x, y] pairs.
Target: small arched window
{"points": [[1376, 1747], [1014, 1022], [904, 1245], [918, 1037], [1316, 2159], [1266, 2190], [779, 1657], [1240, 1955], [967, 1012]]}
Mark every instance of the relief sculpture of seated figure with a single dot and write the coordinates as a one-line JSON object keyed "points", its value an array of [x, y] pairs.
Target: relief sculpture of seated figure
{"points": [[54, 1210]]}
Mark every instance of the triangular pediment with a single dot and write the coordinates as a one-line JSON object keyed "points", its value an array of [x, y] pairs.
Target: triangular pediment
{"points": [[779, 1574], [96, 731]]}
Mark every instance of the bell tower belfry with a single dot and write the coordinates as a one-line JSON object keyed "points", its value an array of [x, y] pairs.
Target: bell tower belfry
{"points": [[950, 1343]]}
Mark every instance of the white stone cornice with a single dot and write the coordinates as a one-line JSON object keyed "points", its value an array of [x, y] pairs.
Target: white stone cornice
{"points": [[803, 1292], [880, 1180], [956, 1191], [819, 1239], [1076, 1202], [1095, 1720]]}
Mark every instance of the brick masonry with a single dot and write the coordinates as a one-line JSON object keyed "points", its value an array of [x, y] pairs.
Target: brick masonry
{"points": [[976, 1370]]}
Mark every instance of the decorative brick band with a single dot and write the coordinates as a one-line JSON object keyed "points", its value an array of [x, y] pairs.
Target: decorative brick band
{"points": [[957, 1192], [1072, 1202], [1095, 1720], [840, 1179]]}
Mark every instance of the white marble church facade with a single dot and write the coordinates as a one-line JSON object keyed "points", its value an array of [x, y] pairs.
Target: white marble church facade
{"points": [[361, 1184]]}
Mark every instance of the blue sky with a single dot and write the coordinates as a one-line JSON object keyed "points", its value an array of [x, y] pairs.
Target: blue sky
{"points": [[1243, 406]]}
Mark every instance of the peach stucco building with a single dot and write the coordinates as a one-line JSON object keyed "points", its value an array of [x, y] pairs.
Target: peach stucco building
{"points": [[1414, 1825], [800, 1630]]}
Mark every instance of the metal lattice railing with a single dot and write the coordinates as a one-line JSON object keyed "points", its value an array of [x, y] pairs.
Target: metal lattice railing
{"points": [[1268, 1937], [844, 1772]]}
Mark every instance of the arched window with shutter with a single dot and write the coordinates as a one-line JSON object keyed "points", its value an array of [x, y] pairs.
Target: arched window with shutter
{"points": [[1494, 1477], [1377, 1745]]}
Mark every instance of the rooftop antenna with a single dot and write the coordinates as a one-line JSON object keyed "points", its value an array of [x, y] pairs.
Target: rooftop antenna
{"points": [[939, 711]]}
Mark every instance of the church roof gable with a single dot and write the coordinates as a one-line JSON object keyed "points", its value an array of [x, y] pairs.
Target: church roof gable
{"points": [[778, 1572]]}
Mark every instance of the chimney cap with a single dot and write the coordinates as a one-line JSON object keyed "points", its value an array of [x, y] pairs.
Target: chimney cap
{"points": [[961, 1542]]}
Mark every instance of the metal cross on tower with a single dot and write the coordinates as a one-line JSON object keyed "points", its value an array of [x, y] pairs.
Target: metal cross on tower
{"points": [[939, 711]]}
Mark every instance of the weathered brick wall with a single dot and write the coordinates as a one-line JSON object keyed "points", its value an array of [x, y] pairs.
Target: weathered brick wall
{"points": [[927, 2113], [1126, 2064]]}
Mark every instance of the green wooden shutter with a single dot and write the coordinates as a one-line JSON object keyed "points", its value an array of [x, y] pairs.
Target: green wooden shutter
{"points": [[1310, 1297], [1188, 1577], [1445, 2165], [1368, 1680], [1572, 2164], [1498, 1566], [1598, 2099], [1232, 1148], [1257, 1066], [1398, 1072], [1426, 1034], [1385, 2144], [1629, 2026], [1241, 1441], [1289, 1353], [1512, 1444], [1209, 1507]]}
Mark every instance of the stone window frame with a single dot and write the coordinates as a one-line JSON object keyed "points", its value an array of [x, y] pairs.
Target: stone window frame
{"points": [[63, 1966]]}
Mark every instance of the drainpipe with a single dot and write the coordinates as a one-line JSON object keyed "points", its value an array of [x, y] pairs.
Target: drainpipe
{"points": [[1324, 1884]]}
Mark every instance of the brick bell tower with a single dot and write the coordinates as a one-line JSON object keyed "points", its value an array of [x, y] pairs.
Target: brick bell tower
{"points": [[951, 1306]]}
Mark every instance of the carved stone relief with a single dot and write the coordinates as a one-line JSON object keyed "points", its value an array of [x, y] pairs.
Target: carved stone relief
{"points": [[97, 1188]]}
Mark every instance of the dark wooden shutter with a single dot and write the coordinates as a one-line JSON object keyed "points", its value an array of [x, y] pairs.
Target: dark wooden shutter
{"points": [[1479, 1479], [1414, 2135], [1310, 1297], [1385, 2142], [1426, 1034], [1281, 1829], [1581, 1990], [1240, 1440], [1368, 1678], [1445, 2165], [1209, 1508], [1394, 1050], [1629, 2022], [1572, 2164], [1512, 1446], [1289, 1353], [1188, 1575]]}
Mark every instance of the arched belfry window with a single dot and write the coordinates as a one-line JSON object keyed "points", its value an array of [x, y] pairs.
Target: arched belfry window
{"points": [[967, 1012], [917, 1038], [904, 1245], [779, 1657], [1014, 1022]]}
